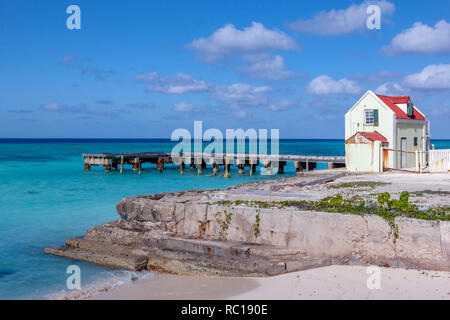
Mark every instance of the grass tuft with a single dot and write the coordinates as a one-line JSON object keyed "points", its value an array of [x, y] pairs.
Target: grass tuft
{"points": [[358, 184]]}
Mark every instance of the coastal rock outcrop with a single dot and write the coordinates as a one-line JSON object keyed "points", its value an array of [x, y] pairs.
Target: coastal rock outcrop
{"points": [[197, 232]]}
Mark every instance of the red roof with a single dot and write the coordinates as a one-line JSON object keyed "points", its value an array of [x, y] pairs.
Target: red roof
{"points": [[392, 102], [374, 136]]}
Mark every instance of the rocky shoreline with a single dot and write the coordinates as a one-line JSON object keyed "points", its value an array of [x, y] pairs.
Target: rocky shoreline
{"points": [[199, 232]]}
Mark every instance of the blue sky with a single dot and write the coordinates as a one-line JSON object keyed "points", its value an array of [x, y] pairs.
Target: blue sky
{"points": [[140, 69]]}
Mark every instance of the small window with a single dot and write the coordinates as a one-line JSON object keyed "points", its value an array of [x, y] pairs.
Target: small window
{"points": [[410, 109], [369, 117], [415, 142]]}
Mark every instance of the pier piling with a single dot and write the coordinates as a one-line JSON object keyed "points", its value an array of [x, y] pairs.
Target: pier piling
{"points": [[240, 163], [268, 165], [227, 169], [281, 166], [215, 168], [252, 168], [299, 168], [160, 164], [181, 167], [138, 165], [107, 164]]}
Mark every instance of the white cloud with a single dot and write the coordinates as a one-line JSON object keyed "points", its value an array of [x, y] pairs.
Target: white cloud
{"points": [[241, 114], [280, 104], [432, 77], [324, 85], [184, 107], [421, 38], [68, 60], [228, 40], [266, 67], [83, 66], [342, 21], [391, 89], [147, 77], [242, 94], [179, 84], [52, 106]]}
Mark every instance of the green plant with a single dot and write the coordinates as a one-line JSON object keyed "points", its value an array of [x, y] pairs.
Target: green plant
{"points": [[358, 184], [384, 207], [431, 192], [256, 231], [223, 218]]}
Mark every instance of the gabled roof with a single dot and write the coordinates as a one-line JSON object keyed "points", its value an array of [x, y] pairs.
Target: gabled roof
{"points": [[392, 102], [372, 136]]}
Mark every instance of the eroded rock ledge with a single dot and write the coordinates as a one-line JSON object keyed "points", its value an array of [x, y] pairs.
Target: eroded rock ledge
{"points": [[184, 232]]}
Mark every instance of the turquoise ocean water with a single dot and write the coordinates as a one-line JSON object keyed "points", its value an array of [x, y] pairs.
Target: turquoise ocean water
{"points": [[47, 197]]}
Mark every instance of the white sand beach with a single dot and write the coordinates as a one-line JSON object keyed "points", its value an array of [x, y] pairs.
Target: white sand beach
{"points": [[334, 282]]}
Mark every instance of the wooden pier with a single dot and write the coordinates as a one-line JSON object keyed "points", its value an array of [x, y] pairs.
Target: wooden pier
{"points": [[117, 161]]}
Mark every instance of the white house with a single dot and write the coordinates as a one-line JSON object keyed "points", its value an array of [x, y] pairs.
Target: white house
{"points": [[376, 122]]}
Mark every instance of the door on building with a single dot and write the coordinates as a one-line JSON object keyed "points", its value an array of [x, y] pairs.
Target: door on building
{"points": [[403, 154]]}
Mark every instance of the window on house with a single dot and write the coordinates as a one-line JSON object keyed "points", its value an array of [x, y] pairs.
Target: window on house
{"points": [[410, 109], [415, 142], [371, 117]]}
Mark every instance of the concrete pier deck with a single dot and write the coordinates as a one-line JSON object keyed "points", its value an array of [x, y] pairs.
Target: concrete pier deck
{"points": [[111, 161]]}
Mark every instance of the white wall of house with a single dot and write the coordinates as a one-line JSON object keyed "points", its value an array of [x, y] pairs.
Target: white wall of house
{"points": [[355, 121], [410, 129], [364, 157]]}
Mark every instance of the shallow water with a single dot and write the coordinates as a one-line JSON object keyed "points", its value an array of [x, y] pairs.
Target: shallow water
{"points": [[47, 197]]}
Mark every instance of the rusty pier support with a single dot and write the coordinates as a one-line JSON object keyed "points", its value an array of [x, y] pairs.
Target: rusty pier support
{"points": [[240, 163], [182, 166], [227, 169], [200, 166], [160, 164], [87, 165], [107, 164], [299, 168], [215, 168]]}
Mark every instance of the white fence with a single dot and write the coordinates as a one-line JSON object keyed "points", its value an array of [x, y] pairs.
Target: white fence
{"points": [[439, 161]]}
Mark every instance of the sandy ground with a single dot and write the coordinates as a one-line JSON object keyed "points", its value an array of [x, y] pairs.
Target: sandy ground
{"points": [[334, 282]]}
